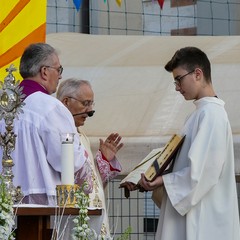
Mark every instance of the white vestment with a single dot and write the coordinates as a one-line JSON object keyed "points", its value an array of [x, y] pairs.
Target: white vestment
{"points": [[200, 200], [97, 197], [37, 155], [101, 174]]}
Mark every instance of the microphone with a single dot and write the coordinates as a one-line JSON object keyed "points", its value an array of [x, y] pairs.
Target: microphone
{"points": [[90, 113]]}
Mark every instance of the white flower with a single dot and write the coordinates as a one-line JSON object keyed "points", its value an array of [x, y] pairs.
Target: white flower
{"points": [[6, 213], [75, 220], [81, 231], [84, 226]]}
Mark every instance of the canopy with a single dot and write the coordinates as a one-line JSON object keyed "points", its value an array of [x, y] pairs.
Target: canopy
{"points": [[134, 94]]}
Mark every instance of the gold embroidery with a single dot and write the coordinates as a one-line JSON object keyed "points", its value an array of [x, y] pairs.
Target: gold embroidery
{"points": [[103, 230], [97, 202]]}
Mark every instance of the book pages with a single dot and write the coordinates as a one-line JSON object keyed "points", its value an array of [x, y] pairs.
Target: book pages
{"points": [[135, 175]]}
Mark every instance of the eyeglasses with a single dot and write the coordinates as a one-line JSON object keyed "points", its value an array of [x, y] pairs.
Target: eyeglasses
{"points": [[86, 103], [59, 69], [178, 79]]}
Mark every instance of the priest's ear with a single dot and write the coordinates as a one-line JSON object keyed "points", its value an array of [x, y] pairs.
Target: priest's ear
{"points": [[66, 101], [44, 73]]}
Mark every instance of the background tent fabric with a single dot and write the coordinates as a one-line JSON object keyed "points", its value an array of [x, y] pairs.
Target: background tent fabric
{"points": [[134, 94]]}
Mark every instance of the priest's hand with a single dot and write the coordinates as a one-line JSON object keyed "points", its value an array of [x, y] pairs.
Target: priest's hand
{"points": [[129, 185], [150, 186], [110, 146]]}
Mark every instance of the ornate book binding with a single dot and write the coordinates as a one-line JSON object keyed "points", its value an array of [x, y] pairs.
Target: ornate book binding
{"points": [[158, 162], [164, 162]]}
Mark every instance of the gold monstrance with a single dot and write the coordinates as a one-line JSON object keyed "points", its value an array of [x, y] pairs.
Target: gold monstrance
{"points": [[11, 102]]}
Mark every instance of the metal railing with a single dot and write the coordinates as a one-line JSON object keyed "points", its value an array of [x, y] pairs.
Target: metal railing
{"points": [[138, 212]]}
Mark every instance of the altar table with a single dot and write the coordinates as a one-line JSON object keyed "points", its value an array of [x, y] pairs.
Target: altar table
{"points": [[33, 223]]}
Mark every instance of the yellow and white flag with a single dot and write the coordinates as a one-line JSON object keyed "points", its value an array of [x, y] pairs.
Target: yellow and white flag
{"points": [[22, 22]]}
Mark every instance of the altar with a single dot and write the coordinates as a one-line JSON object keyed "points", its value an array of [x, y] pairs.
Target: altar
{"points": [[33, 222]]}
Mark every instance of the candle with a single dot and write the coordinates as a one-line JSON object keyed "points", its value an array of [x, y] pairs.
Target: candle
{"points": [[67, 159]]}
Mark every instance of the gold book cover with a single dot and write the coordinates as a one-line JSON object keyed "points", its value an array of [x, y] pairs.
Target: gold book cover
{"points": [[164, 161], [158, 162]]}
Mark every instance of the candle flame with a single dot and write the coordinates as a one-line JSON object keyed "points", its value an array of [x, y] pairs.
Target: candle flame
{"points": [[68, 136]]}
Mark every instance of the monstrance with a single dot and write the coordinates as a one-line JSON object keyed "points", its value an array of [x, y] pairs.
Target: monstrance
{"points": [[11, 102]]}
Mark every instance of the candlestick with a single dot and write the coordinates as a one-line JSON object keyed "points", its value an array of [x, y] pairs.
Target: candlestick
{"points": [[66, 195], [67, 159]]}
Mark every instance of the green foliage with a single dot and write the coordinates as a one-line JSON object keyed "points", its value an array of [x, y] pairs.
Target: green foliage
{"points": [[125, 235]]}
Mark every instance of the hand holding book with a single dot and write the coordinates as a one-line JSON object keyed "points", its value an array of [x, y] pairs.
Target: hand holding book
{"points": [[150, 186], [157, 162], [130, 182]]}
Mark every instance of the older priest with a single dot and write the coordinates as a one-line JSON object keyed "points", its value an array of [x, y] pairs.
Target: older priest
{"points": [[77, 95], [37, 155]]}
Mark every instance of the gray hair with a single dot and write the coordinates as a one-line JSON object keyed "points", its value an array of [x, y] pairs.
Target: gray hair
{"points": [[34, 57], [70, 87]]}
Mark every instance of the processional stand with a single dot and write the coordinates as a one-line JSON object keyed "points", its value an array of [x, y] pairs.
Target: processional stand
{"points": [[11, 102]]}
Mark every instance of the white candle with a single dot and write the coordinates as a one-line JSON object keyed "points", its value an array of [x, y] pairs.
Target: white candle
{"points": [[67, 159]]}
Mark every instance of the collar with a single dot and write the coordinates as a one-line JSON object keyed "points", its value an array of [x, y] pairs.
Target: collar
{"points": [[29, 87]]}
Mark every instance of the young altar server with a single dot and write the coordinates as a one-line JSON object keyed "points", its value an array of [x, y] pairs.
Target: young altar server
{"points": [[200, 198]]}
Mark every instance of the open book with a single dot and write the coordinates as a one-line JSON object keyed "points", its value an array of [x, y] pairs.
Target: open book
{"points": [[158, 162]]}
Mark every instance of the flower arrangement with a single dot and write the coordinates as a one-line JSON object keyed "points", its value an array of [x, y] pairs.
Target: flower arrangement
{"points": [[6, 213], [81, 231]]}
